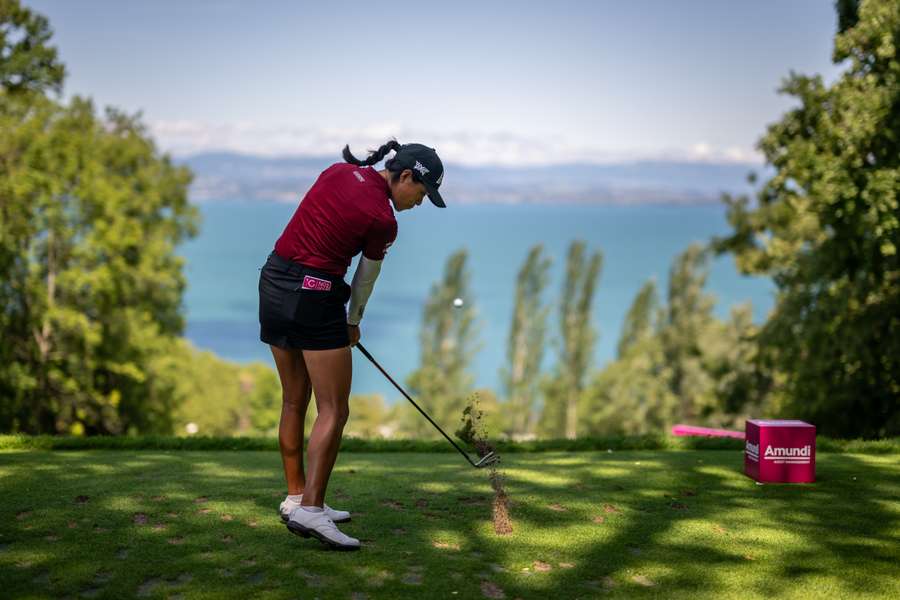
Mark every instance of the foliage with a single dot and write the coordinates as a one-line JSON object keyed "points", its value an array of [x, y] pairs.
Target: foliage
{"points": [[826, 228], [28, 64], [91, 286], [441, 383], [563, 390], [680, 364], [525, 346]]}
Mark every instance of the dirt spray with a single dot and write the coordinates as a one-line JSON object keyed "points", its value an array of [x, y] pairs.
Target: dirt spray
{"points": [[472, 431]]}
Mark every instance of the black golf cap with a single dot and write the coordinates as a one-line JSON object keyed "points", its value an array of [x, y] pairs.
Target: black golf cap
{"points": [[427, 166]]}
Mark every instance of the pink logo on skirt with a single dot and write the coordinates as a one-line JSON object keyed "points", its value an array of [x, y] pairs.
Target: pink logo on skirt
{"points": [[314, 283]]}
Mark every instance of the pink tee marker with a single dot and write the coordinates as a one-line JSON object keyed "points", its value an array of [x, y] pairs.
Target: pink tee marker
{"points": [[780, 451], [683, 430]]}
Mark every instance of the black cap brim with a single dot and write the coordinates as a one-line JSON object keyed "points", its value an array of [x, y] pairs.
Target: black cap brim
{"points": [[434, 195]]}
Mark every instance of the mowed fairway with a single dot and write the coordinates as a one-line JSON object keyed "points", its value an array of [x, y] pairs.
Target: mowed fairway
{"points": [[667, 524]]}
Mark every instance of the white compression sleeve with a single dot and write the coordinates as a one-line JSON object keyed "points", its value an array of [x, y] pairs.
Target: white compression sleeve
{"points": [[363, 281]]}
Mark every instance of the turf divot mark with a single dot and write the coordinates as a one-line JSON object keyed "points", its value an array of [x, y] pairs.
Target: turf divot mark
{"points": [[201, 500], [227, 518], [557, 507], [491, 590], [176, 541], [43, 578], [82, 499], [445, 545], [541, 566], [149, 586], [22, 515], [643, 581], [312, 580], [392, 504], [227, 539], [139, 519], [610, 509], [52, 538], [598, 519], [565, 565]]}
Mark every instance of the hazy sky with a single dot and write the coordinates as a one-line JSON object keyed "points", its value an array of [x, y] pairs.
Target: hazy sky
{"points": [[485, 81]]}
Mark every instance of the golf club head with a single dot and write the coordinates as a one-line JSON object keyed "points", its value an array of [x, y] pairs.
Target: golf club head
{"points": [[487, 460]]}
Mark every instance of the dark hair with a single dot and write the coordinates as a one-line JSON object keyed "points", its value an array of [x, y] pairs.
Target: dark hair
{"points": [[374, 156]]}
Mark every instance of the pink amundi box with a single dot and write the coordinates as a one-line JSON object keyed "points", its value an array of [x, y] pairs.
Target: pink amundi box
{"points": [[780, 451]]}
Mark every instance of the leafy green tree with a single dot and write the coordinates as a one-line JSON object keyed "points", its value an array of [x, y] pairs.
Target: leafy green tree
{"points": [[826, 228], [525, 347], [368, 417], [92, 288], [217, 396], [448, 342], [27, 62], [631, 395], [563, 391]]}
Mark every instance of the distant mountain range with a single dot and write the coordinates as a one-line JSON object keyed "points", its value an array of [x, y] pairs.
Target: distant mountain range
{"points": [[230, 176]]}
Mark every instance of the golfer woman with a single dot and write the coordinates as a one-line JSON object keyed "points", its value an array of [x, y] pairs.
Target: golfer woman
{"points": [[302, 315]]}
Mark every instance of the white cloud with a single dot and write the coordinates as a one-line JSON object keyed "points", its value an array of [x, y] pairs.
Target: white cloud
{"points": [[183, 137]]}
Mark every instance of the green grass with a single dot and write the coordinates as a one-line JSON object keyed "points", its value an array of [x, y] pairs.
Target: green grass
{"points": [[621, 524], [615, 442]]}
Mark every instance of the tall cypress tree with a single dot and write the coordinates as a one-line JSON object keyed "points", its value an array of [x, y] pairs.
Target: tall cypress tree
{"points": [[639, 321], [525, 346], [448, 343], [563, 391], [685, 322]]}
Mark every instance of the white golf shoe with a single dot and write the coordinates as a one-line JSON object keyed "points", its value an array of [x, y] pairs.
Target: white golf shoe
{"points": [[338, 516], [318, 525]]}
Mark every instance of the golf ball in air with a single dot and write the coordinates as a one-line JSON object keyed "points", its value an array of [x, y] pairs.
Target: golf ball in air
{"points": [[458, 302]]}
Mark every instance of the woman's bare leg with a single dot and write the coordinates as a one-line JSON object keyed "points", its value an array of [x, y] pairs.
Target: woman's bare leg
{"points": [[330, 372], [295, 393]]}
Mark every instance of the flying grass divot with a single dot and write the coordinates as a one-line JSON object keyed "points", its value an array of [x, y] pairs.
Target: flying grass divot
{"points": [[472, 431]]}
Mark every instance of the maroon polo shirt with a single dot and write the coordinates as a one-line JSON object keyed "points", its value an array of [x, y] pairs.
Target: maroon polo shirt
{"points": [[345, 212]]}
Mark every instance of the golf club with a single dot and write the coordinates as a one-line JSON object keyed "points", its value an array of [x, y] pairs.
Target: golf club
{"points": [[488, 459]]}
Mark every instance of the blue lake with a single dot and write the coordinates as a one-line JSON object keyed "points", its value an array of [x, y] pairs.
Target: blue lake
{"points": [[637, 242]]}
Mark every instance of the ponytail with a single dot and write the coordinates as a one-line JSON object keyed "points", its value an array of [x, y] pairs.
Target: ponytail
{"points": [[374, 157]]}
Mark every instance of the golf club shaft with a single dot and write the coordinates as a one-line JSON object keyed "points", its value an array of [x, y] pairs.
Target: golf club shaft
{"points": [[424, 414]]}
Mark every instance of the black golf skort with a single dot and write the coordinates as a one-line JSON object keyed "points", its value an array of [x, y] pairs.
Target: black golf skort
{"points": [[300, 307]]}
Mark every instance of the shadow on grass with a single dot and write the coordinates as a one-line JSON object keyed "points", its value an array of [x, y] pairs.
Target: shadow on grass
{"points": [[156, 524]]}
